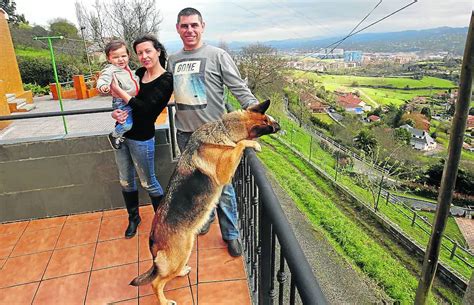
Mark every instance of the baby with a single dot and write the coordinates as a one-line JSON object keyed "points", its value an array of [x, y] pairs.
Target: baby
{"points": [[118, 56]]}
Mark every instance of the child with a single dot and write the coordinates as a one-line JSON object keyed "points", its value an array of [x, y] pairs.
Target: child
{"points": [[118, 56]]}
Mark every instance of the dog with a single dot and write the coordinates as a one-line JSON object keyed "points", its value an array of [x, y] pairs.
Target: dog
{"points": [[207, 164]]}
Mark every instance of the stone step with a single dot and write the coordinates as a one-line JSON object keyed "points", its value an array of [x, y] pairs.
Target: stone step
{"points": [[26, 107], [10, 97]]}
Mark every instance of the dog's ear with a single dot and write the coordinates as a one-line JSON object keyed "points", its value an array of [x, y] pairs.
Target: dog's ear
{"points": [[260, 108]]}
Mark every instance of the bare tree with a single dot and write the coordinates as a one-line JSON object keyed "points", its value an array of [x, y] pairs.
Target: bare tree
{"points": [[263, 68], [125, 19]]}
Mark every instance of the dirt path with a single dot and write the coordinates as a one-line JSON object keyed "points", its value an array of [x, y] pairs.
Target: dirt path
{"points": [[340, 283]]}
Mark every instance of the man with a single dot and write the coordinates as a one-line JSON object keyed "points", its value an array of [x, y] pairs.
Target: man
{"points": [[200, 73]]}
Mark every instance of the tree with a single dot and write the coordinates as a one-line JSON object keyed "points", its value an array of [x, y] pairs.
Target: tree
{"points": [[426, 111], [63, 27], [262, 67], [10, 7], [122, 19], [402, 135], [365, 141]]}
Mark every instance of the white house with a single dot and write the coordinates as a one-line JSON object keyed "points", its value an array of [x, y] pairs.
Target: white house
{"points": [[420, 139]]}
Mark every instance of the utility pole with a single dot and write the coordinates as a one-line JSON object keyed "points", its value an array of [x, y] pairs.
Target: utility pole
{"points": [[85, 49], [450, 171], [53, 61]]}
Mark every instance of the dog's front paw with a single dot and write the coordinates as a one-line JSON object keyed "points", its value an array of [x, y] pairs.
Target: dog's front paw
{"points": [[257, 147]]}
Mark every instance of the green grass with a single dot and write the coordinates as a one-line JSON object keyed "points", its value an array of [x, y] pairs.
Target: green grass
{"points": [[396, 82], [312, 195], [396, 96], [324, 117], [300, 140], [29, 52]]}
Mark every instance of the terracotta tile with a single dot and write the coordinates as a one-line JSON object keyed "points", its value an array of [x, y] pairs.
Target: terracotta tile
{"points": [[115, 252], [18, 295], [70, 261], [213, 239], [113, 228], [69, 290], [218, 265], [143, 248], [178, 282], [24, 269], [7, 243], [14, 227], [114, 213], [83, 217], [38, 241], [46, 223], [224, 293], [145, 226], [181, 296], [144, 209], [112, 285], [78, 234], [2, 262], [127, 302]]}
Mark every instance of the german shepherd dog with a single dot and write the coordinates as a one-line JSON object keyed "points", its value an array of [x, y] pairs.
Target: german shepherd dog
{"points": [[206, 165]]}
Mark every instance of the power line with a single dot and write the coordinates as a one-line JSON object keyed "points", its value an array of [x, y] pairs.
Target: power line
{"points": [[352, 33]]}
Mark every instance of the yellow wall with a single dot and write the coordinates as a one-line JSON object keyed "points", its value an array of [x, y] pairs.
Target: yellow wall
{"points": [[10, 74]]}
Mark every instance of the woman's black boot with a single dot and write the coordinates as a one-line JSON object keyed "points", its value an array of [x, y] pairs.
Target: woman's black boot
{"points": [[155, 201], [131, 202]]}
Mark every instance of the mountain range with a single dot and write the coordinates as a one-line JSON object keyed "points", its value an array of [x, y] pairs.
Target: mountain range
{"points": [[442, 39]]}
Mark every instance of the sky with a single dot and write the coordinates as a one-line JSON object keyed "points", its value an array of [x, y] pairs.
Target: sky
{"points": [[264, 20]]}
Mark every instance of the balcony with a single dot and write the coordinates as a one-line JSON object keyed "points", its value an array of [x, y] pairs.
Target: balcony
{"points": [[61, 237]]}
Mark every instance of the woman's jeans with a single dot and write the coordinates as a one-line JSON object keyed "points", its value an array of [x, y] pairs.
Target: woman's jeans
{"points": [[139, 157], [120, 129], [227, 205]]}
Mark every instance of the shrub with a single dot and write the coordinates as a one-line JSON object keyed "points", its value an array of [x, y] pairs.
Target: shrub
{"points": [[36, 89]]}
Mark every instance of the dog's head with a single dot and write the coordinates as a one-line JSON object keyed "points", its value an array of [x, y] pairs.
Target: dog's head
{"points": [[256, 123]]}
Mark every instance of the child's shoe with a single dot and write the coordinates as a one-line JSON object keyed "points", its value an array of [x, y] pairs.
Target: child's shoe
{"points": [[115, 142]]}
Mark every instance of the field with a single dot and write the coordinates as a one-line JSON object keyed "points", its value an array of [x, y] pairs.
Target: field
{"points": [[381, 96], [29, 52]]}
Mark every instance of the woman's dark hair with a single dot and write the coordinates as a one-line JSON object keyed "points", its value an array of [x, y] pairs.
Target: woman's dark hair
{"points": [[156, 44], [115, 45]]}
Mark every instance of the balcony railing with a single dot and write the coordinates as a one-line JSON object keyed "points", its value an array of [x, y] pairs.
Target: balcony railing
{"points": [[272, 253], [269, 242]]}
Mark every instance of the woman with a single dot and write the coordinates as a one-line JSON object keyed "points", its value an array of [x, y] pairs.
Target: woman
{"points": [[138, 149]]}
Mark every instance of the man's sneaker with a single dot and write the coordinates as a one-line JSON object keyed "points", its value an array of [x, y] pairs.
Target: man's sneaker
{"points": [[115, 142], [234, 247]]}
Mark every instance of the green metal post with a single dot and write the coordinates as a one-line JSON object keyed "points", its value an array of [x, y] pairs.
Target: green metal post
{"points": [[53, 61]]}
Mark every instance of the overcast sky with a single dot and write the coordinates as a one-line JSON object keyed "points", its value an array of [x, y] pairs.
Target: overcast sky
{"points": [[262, 20]]}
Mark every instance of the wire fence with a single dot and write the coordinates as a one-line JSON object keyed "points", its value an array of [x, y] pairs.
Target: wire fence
{"points": [[312, 146]]}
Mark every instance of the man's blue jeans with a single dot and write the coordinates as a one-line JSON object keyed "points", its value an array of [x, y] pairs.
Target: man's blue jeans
{"points": [[138, 157], [227, 205], [120, 129]]}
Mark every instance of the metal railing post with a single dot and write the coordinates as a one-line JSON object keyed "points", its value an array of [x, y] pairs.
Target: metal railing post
{"points": [[265, 264]]}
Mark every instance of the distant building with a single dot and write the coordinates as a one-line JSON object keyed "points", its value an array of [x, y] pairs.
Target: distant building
{"points": [[470, 122], [313, 103], [420, 139], [353, 56], [373, 118], [352, 103]]}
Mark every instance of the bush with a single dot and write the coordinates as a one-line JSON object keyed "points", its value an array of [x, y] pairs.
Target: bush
{"points": [[40, 70], [36, 89]]}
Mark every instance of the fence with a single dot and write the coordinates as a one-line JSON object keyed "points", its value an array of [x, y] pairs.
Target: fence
{"points": [[269, 242]]}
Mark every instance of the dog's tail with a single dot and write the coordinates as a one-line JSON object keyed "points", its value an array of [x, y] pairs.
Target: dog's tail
{"points": [[145, 278]]}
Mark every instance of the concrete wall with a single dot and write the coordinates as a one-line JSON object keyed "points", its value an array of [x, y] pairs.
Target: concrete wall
{"points": [[67, 176]]}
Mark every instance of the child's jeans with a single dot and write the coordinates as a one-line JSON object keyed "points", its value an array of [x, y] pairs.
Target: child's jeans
{"points": [[120, 129]]}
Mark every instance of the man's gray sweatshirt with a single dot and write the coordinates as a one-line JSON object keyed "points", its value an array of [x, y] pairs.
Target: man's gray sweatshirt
{"points": [[199, 77]]}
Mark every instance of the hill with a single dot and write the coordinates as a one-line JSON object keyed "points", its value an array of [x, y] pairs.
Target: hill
{"points": [[443, 39]]}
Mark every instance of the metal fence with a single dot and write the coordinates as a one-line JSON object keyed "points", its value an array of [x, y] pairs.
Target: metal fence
{"points": [[269, 242]]}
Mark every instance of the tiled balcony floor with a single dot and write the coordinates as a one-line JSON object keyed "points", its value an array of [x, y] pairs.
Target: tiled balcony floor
{"points": [[84, 259]]}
